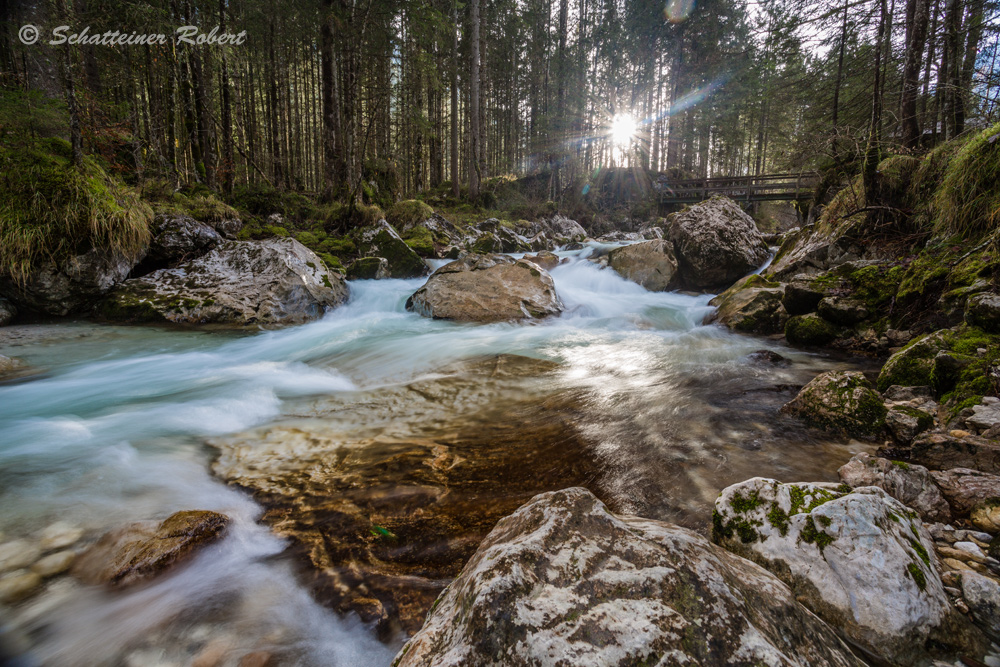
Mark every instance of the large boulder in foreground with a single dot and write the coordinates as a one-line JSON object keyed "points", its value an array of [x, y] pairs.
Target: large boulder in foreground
{"points": [[381, 240], [861, 560], [275, 281], [716, 243], [562, 581], [142, 550], [840, 402], [487, 288], [71, 285], [651, 264]]}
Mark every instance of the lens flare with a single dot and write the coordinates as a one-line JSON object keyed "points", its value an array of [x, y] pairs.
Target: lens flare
{"points": [[623, 129], [678, 11]]}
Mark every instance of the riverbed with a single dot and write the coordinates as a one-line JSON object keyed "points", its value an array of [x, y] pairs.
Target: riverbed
{"points": [[627, 393]]}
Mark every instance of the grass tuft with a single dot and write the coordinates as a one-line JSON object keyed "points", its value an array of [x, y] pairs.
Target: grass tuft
{"points": [[968, 199]]}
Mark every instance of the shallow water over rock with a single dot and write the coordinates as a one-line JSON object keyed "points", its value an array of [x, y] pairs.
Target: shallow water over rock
{"points": [[362, 457]]}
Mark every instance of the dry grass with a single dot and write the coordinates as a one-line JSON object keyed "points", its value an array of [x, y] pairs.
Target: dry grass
{"points": [[967, 202]]}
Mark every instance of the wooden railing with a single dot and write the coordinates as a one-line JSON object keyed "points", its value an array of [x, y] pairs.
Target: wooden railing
{"points": [[771, 187]]}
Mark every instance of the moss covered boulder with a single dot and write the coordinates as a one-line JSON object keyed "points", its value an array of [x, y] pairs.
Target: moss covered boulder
{"points": [[716, 243], [563, 581], [913, 366], [840, 402], [752, 306], [381, 240], [487, 288], [861, 560], [368, 268], [809, 330], [275, 281], [652, 264]]}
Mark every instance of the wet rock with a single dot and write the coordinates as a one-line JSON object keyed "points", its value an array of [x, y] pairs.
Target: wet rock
{"points": [[651, 264], [18, 585], [18, 554], [487, 288], [840, 402], [10, 366], [983, 311], [71, 285], [275, 281], [546, 260], [564, 581], [898, 338], [59, 535], [767, 357], [140, 551], [752, 306], [821, 542], [381, 240], [716, 243], [809, 330], [816, 248], [910, 484], [176, 238], [368, 268], [964, 488], [434, 235], [943, 451], [257, 659], [922, 395], [842, 311], [982, 595], [386, 507], [54, 564], [8, 311], [801, 297]]}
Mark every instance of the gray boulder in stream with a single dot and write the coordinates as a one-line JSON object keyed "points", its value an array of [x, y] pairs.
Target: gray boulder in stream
{"points": [[487, 288], [275, 281], [651, 264], [563, 581], [716, 243]]}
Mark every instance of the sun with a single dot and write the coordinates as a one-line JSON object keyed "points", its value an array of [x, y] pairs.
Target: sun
{"points": [[623, 128]]}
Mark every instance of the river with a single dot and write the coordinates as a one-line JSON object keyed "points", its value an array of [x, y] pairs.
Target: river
{"points": [[131, 423]]}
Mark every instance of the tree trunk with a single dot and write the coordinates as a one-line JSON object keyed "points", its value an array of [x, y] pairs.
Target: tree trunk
{"points": [[475, 121], [917, 16], [456, 187]]}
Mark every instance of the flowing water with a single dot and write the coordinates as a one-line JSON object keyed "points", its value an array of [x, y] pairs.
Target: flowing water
{"points": [[125, 423]]}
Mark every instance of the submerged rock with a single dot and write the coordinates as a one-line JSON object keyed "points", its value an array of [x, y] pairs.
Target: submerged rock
{"points": [[381, 240], [142, 550], [651, 264], [840, 402], [386, 493], [562, 581], [487, 288], [716, 243], [908, 483], [275, 281], [71, 285], [860, 560]]}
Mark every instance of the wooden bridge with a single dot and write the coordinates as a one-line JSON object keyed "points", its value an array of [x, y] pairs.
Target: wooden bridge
{"points": [[749, 189]]}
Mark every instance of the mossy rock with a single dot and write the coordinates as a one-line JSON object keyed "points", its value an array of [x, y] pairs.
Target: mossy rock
{"points": [[809, 330], [368, 268], [841, 402], [407, 213], [913, 366]]}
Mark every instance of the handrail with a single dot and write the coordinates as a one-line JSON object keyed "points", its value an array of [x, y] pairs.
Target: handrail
{"points": [[765, 187]]}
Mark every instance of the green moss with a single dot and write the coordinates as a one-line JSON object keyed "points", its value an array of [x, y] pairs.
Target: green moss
{"points": [[812, 535], [919, 548], [811, 330], [968, 201], [778, 519], [407, 213], [420, 240], [917, 575], [742, 504]]}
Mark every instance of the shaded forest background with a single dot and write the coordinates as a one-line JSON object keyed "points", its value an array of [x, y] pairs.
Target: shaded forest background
{"points": [[366, 102]]}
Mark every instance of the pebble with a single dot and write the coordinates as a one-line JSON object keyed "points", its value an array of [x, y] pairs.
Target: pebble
{"points": [[54, 564], [959, 433], [954, 592], [955, 564], [256, 659], [18, 585], [60, 535], [213, 654], [955, 554], [951, 579], [977, 535], [961, 606], [149, 657], [18, 554]]}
